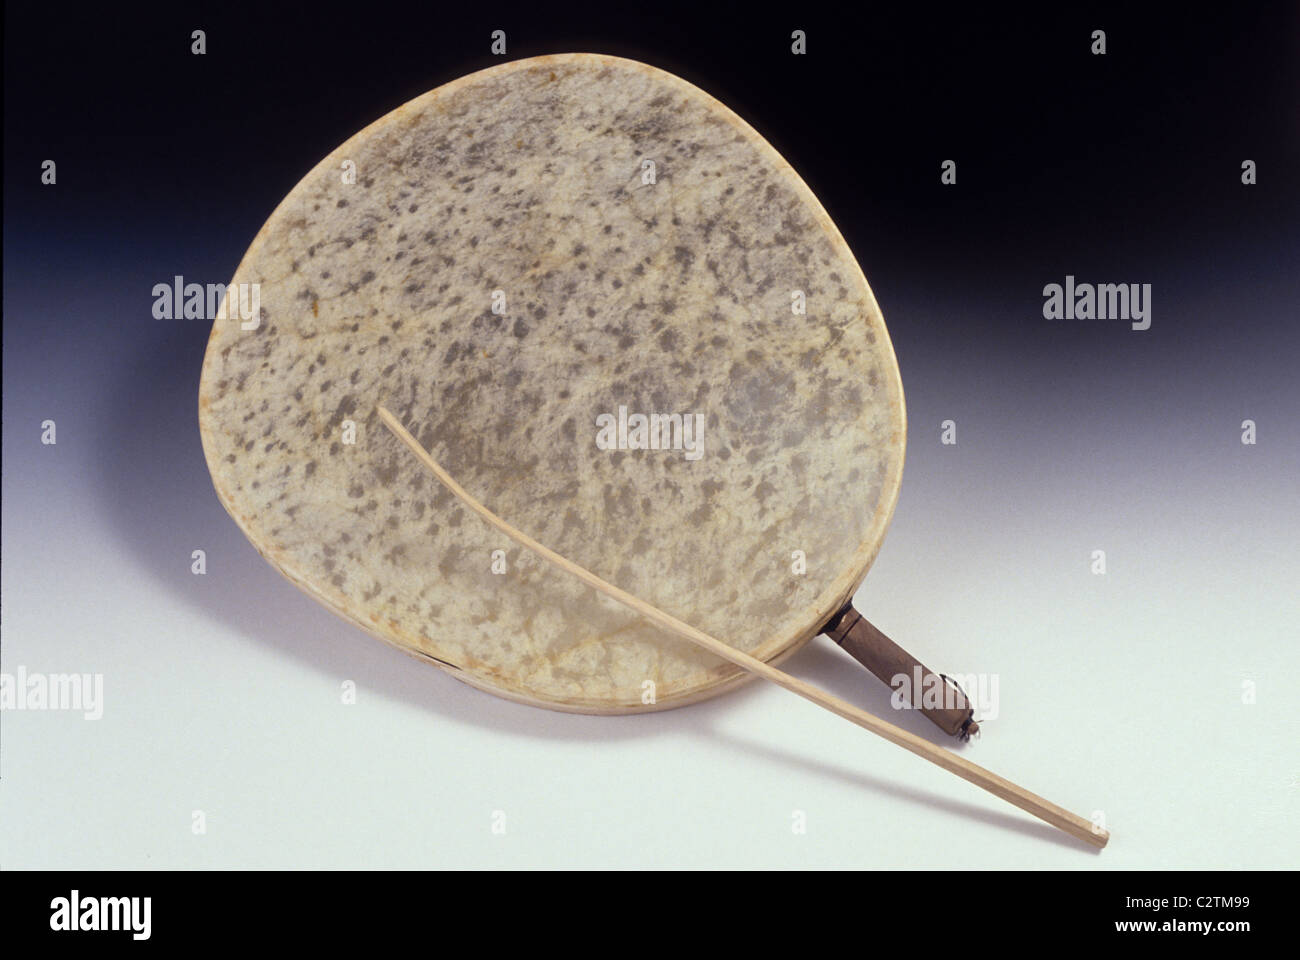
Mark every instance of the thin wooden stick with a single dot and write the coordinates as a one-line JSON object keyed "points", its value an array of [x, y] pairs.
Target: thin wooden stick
{"points": [[1059, 817]]}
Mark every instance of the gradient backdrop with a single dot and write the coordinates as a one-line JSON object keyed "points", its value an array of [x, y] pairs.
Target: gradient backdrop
{"points": [[1121, 693]]}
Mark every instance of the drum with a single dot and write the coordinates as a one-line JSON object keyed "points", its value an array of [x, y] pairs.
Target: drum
{"points": [[617, 316]]}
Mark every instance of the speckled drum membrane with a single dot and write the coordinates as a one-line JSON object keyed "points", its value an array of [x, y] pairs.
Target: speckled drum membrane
{"points": [[672, 296]]}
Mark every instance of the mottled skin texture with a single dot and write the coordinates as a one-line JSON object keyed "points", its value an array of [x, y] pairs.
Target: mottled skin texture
{"points": [[672, 297]]}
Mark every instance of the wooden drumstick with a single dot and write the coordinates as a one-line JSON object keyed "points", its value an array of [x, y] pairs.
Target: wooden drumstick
{"points": [[1071, 823]]}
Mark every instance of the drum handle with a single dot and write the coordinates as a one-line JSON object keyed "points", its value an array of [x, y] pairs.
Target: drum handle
{"points": [[888, 661]]}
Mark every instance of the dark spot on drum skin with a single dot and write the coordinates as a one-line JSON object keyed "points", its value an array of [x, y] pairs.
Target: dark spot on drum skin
{"points": [[451, 561], [387, 473], [701, 514]]}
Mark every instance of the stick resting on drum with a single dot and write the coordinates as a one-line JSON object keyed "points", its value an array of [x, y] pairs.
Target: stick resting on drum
{"points": [[1071, 823]]}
